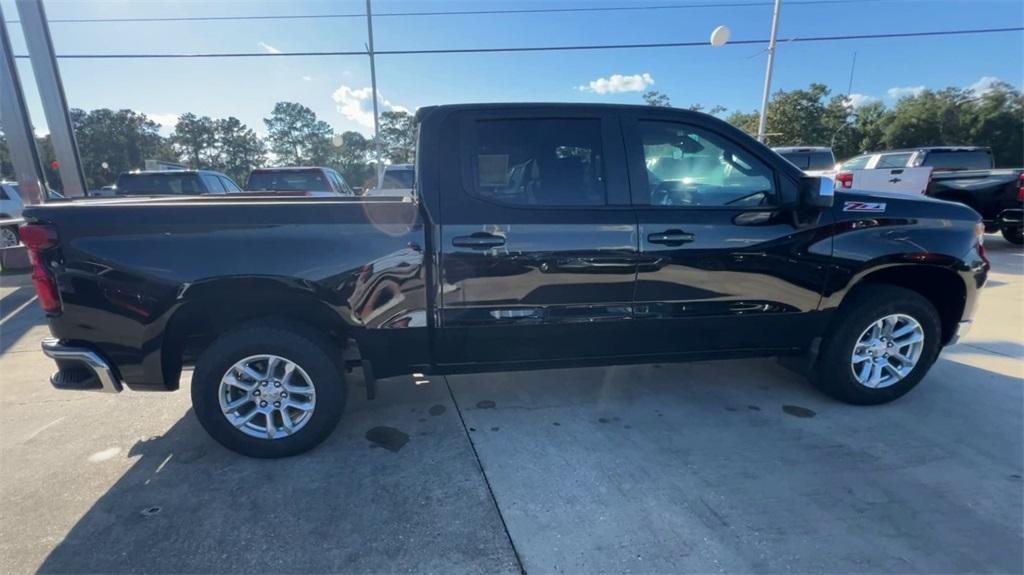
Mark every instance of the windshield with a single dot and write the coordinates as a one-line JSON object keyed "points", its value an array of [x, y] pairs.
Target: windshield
{"points": [[959, 159], [288, 181], [818, 160], [169, 183], [398, 179]]}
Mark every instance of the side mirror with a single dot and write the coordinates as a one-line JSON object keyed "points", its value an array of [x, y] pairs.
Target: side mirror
{"points": [[816, 192]]}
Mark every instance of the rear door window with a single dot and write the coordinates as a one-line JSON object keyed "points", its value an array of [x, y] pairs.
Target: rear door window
{"points": [[289, 181], [858, 163], [162, 184], [811, 160], [959, 159], [213, 184], [229, 185], [893, 160], [538, 162]]}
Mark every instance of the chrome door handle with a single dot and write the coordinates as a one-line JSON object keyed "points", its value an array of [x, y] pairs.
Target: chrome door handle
{"points": [[671, 238]]}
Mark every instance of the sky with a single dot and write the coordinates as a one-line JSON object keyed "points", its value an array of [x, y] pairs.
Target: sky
{"points": [[337, 88]]}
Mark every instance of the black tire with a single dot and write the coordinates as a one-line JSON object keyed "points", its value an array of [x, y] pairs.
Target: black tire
{"points": [[296, 342], [1014, 235], [833, 373]]}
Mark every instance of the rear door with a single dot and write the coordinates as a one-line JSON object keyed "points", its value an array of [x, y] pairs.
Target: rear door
{"points": [[727, 260], [537, 239], [891, 174]]}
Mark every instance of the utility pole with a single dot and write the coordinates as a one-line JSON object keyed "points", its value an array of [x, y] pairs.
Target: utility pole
{"points": [[17, 125], [373, 87], [762, 124], [51, 92]]}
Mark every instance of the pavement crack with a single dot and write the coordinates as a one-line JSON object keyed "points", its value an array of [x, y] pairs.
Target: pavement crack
{"points": [[487, 482]]}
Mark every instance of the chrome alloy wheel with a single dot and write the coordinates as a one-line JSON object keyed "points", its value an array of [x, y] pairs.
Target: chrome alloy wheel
{"points": [[267, 396], [887, 351]]}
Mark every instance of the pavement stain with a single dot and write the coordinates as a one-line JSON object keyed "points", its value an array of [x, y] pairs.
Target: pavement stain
{"points": [[387, 437], [485, 404], [436, 409], [797, 411]]}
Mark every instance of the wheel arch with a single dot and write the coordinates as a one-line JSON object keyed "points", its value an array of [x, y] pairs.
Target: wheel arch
{"points": [[209, 309], [942, 287]]}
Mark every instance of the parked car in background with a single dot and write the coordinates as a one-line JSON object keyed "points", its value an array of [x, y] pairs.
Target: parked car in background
{"points": [[813, 160], [968, 175], [883, 172], [314, 181], [11, 206], [397, 181], [174, 183], [543, 236]]}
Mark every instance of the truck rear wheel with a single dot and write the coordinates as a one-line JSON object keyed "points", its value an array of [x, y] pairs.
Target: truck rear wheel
{"points": [[884, 340], [269, 389]]}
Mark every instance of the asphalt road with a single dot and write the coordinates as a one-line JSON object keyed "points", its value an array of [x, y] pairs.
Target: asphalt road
{"points": [[706, 467]]}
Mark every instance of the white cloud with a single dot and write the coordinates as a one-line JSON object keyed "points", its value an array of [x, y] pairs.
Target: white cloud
{"points": [[270, 49], [898, 92], [858, 100], [356, 105], [984, 84], [617, 83], [166, 121], [307, 78]]}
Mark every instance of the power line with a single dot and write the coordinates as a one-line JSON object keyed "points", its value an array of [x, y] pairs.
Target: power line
{"points": [[752, 4], [578, 47]]}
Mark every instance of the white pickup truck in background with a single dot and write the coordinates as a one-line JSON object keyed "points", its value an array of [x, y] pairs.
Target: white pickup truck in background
{"points": [[884, 171]]}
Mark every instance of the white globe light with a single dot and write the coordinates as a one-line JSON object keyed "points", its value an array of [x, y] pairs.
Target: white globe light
{"points": [[720, 35], [105, 166]]}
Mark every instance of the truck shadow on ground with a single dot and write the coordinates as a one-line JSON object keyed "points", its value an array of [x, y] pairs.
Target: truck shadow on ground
{"points": [[188, 505], [18, 314]]}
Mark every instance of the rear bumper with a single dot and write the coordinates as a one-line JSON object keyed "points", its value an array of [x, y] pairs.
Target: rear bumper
{"points": [[80, 368], [1012, 218]]}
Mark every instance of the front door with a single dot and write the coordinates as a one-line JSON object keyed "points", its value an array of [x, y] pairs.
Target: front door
{"points": [[722, 265], [538, 241]]}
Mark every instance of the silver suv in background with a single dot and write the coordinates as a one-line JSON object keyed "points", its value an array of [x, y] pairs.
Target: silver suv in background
{"points": [[397, 181]]}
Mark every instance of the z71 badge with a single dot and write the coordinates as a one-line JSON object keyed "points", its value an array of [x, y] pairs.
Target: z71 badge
{"points": [[864, 206]]}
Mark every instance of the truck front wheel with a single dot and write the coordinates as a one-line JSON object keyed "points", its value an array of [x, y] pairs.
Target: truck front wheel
{"points": [[269, 389], [881, 344]]}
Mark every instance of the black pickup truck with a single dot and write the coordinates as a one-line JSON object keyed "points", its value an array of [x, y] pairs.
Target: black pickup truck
{"points": [[967, 174], [539, 235]]}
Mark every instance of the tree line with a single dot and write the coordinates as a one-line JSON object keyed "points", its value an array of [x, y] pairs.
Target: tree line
{"points": [[951, 116], [114, 141], [111, 142]]}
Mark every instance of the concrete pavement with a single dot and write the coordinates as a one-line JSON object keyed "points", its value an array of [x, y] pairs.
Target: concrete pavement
{"points": [[708, 467]]}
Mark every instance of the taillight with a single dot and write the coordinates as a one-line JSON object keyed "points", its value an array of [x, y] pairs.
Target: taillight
{"points": [[37, 238], [1020, 188], [979, 240], [845, 179]]}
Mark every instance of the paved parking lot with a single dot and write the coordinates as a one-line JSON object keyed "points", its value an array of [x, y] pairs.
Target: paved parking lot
{"points": [[707, 467]]}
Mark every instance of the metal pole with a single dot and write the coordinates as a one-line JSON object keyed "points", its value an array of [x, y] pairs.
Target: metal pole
{"points": [[373, 84], [51, 92], [853, 66], [762, 124], [17, 125]]}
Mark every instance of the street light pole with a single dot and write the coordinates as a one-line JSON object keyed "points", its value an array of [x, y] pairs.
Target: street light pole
{"points": [[373, 87], [762, 124]]}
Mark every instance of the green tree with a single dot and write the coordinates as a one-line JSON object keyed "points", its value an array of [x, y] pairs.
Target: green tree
{"points": [[931, 118], [398, 136], [195, 140], [237, 148], [353, 158], [746, 121], [123, 139], [296, 136], [656, 98], [996, 119]]}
